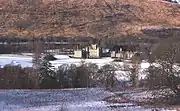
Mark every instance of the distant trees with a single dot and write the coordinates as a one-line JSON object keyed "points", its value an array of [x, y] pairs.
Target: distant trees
{"points": [[65, 76], [72, 76], [15, 77]]}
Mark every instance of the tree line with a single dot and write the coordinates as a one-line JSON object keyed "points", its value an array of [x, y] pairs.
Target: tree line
{"points": [[66, 76]]}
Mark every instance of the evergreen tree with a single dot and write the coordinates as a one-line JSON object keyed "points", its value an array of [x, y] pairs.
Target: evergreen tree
{"points": [[47, 75]]}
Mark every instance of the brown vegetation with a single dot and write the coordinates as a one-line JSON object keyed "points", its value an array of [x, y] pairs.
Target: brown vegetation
{"points": [[95, 18]]}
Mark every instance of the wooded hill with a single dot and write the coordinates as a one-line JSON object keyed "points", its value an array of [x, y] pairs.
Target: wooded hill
{"points": [[93, 18]]}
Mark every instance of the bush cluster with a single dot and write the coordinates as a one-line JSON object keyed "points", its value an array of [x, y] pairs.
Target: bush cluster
{"points": [[47, 77]]}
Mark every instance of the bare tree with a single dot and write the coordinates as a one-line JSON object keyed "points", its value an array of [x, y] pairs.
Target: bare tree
{"points": [[38, 50], [107, 76], [93, 73], [131, 71], [166, 73]]}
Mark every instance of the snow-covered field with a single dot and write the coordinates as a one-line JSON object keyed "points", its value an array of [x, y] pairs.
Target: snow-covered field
{"points": [[26, 60], [87, 99], [62, 59], [84, 99], [144, 97]]}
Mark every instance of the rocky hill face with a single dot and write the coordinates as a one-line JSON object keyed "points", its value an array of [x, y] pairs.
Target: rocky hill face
{"points": [[94, 18]]}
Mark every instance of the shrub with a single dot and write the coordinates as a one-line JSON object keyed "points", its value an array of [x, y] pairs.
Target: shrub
{"points": [[15, 77], [49, 57]]}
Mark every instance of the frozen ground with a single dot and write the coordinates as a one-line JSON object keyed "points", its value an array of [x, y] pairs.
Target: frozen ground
{"points": [[61, 100], [142, 96], [26, 60]]}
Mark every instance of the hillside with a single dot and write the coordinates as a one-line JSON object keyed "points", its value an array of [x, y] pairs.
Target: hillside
{"points": [[95, 18]]}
